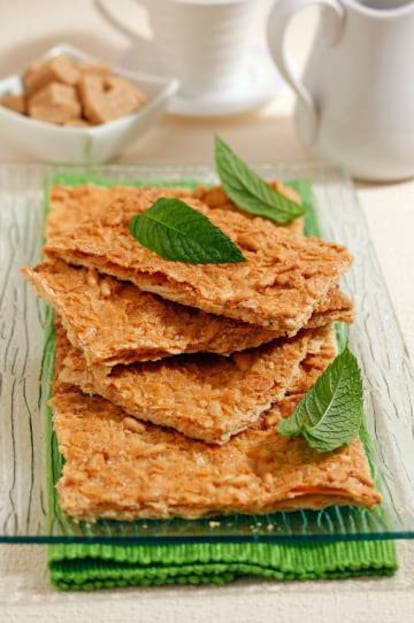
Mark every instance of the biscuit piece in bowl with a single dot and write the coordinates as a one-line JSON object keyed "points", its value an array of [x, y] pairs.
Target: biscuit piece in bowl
{"points": [[58, 129]]}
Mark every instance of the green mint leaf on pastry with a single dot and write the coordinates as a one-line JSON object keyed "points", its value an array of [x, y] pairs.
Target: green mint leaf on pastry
{"points": [[330, 415], [179, 233]]}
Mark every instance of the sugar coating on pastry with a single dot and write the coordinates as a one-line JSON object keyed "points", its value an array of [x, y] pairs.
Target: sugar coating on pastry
{"points": [[279, 286], [113, 322], [117, 467], [207, 397]]}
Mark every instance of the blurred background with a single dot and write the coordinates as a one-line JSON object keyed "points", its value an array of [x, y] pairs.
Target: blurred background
{"points": [[28, 29]]}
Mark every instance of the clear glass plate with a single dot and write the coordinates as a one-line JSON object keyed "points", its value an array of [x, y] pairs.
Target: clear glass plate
{"points": [[28, 508]]}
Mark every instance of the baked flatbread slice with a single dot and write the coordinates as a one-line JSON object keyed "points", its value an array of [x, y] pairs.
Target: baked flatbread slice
{"points": [[206, 397], [68, 205], [283, 280], [113, 322], [119, 468]]}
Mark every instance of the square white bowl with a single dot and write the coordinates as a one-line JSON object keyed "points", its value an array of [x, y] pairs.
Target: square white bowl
{"points": [[94, 145]]}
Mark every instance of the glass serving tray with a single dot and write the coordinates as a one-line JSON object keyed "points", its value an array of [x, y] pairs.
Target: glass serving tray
{"points": [[29, 510]]}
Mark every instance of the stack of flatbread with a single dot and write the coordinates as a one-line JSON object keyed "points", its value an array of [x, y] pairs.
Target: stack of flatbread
{"points": [[171, 378]]}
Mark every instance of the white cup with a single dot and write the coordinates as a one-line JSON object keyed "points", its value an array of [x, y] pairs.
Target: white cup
{"points": [[203, 43]]}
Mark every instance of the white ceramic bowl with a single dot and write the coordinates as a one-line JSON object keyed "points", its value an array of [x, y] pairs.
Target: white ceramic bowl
{"points": [[53, 143]]}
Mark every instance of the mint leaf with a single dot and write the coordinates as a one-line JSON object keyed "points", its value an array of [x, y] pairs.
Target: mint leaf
{"points": [[342, 335], [179, 233], [330, 415], [249, 191]]}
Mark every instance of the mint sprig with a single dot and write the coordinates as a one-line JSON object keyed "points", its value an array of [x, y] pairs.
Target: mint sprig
{"points": [[179, 233], [330, 415], [249, 191]]}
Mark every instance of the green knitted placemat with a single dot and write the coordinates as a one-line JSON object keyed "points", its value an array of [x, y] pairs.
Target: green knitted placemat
{"points": [[86, 566]]}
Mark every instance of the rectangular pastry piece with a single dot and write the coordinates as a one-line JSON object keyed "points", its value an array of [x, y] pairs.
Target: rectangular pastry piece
{"points": [[207, 397], [70, 204], [119, 468], [113, 322], [280, 285]]}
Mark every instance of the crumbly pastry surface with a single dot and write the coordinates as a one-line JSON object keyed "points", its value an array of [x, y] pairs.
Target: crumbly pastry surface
{"points": [[125, 467], [69, 205], [284, 278], [206, 397], [119, 468], [113, 322]]}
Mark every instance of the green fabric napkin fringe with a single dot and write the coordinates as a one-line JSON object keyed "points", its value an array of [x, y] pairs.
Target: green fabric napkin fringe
{"points": [[89, 566]]}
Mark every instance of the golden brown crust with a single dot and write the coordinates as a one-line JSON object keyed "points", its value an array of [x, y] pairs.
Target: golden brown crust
{"points": [[68, 206], [206, 397], [119, 468], [284, 278], [335, 307], [113, 322]]}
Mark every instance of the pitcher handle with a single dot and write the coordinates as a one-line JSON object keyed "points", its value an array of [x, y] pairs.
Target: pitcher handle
{"points": [[281, 14], [110, 17]]}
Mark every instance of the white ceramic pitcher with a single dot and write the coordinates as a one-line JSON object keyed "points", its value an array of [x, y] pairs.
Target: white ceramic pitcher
{"points": [[355, 105]]}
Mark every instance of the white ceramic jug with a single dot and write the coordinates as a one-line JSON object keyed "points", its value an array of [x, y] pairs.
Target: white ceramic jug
{"points": [[355, 105]]}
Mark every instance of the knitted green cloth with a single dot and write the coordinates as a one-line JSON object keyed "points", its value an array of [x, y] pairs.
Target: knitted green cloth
{"points": [[92, 566], [88, 567]]}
